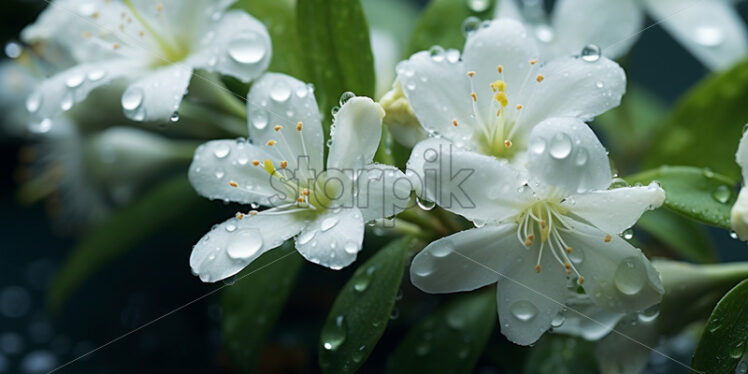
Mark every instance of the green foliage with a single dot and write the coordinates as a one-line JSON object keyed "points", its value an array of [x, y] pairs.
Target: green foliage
{"points": [[560, 354], [441, 24], [693, 192], [253, 304], [449, 340], [704, 129], [362, 309], [723, 342], [683, 236], [163, 205], [337, 50]]}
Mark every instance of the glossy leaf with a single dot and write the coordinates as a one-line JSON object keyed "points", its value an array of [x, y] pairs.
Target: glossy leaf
{"points": [[337, 50], [560, 354], [362, 309], [683, 236], [163, 205], [441, 24], [254, 302], [449, 340], [723, 342], [705, 127], [693, 192]]}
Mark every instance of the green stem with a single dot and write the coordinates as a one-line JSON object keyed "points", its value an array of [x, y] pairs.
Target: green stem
{"points": [[210, 89], [229, 125]]}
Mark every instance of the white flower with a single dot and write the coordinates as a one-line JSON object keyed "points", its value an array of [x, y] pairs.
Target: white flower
{"points": [[710, 29], [559, 225], [154, 46], [491, 98], [281, 166], [739, 214]]}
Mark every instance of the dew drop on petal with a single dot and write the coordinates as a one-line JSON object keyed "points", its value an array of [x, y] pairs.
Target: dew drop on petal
{"points": [[582, 157], [328, 223], [537, 145], [132, 99], [174, 117], [280, 92], [75, 80], [437, 53], [345, 97], [478, 5], [591, 53], [708, 36], [222, 150], [41, 127], [558, 320], [67, 101], [247, 48], [560, 146], [260, 120], [96, 75], [351, 247], [425, 204], [524, 310], [470, 25], [34, 102], [629, 276], [244, 244], [306, 237]]}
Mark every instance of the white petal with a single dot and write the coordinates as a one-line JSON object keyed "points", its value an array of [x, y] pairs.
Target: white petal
{"points": [[504, 43], [237, 45], [234, 244], [62, 91], [572, 87], [188, 20], [157, 95], [528, 301], [508, 9], [627, 351], [358, 129], [739, 215], [475, 186], [281, 100], [583, 318], [383, 191], [565, 153], [617, 276], [741, 156], [220, 163], [332, 239], [439, 92], [466, 260], [710, 29], [613, 211], [611, 25]]}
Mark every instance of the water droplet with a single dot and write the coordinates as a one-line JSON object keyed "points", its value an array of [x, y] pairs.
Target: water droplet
{"points": [[576, 256], [628, 234], [544, 33], [558, 320], [395, 314], [722, 194], [362, 280], [41, 127], [230, 228], [328, 223], [34, 102], [437, 53], [629, 276], [280, 92], [470, 25], [220, 173], [478, 5], [537, 145], [524, 310], [479, 223], [423, 267], [244, 244], [132, 99], [649, 314], [737, 351], [333, 334], [619, 183], [13, 50], [260, 120], [222, 150], [247, 48], [67, 101], [345, 97], [425, 204], [591, 53], [96, 75], [351, 247], [75, 80], [582, 157], [456, 320], [708, 36], [306, 236], [560, 146], [733, 234], [302, 91], [174, 117], [453, 56]]}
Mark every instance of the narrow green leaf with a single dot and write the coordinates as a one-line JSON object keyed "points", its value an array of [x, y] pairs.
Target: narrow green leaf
{"points": [[723, 342], [164, 204], [560, 354], [279, 16], [253, 304], [441, 24], [337, 50], [362, 309], [696, 193], [704, 128], [451, 339], [682, 235]]}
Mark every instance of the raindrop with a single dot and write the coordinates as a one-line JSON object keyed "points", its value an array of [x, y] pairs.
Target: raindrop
{"points": [[345, 97], [34, 102], [328, 223], [13, 50], [362, 280], [470, 25], [395, 314], [733, 234], [619, 183], [537, 145], [75, 80], [219, 174], [423, 348], [453, 56], [132, 98], [560, 146], [351, 247], [708, 36], [67, 101], [96, 75], [544, 33], [425, 204], [591, 53], [302, 91], [558, 320], [737, 351], [260, 120], [599, 84], [230, 228], [582, 157], [478, 223], [306, 236], [222, 150], [245, 244], [333, 334], [524, 310], [280, 92], [649, 314], [437, 53], [478, 5], [41, 127], [629, 276], [722, 194], [174, 117], [334, 111], [628, 234], [247, 48], [576, 256], [456, 320]]}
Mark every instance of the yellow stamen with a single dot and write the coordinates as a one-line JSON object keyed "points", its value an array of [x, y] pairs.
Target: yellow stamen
{"points": [[607, 238], [277, 127], [533, 62], [87, 35], [540, 78], [537, 268], [507, 143], [272, 143], [500, 68], [301, 199], [498, 86], [115, 46], [502, 99], [519, 107], [253, 213], [233, 184], [305, 192], [454, 122], [284, 164], [256, 162], [568, 249], [239, 215], [470, 74], [159, 7], [580, 280], [299, 126], [269, 167], [474, 96]]}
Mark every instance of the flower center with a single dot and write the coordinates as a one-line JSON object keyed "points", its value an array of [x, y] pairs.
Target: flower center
{"points": [[173, 50]]}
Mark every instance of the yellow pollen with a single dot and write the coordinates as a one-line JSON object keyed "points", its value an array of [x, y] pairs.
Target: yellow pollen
{"points": [[500, 68], [474, 96], [302, 199], [533, 62], [531, 236], [528, 242], [141, 33], [498, 86], [256, 162], [519, 107], [284, 164], [233, 184], [539, 78], [537, 268], [116, 46], [567, 265], [95, 15], [299, 126], [580, 280], [507, 143], [502, 99], [470, 74], [271, 143], [277, 127], [269, 166], [253, 213], [239, 215], [305, 192], [607, 238], [568, 249], [454, 122]]}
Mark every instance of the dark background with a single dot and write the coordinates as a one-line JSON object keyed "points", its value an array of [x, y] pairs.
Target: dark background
{"points": [[154, 278]]}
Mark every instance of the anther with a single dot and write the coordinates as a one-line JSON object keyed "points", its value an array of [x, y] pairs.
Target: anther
{"points": [[256, 162], [528, 242], [474, 96], [116, 46], [253, 213], [271, 143], [519, 106], [533, 62], [540, 78], [567, 265], [96, 15], [454, 122], [301, 199], [305, 192], [233, 184], [500, 68], [299, 126], [537, 268], [568, 249], [269, 166], [159, 7], [239, 215], [580, 280], [277, 127], [507, 143], [542, 224], [502, 99], [470, 74], [284, 164], [607, 238]]}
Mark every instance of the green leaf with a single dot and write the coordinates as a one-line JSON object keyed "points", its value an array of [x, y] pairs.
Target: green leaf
{"points": [[441, 24], [723, 341], [705, 127], [682, 235], [362, 309], [693, 192], [560, 354], [253, 304], [449, 340], [166, 203], [279, 16], [337, 51]]}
